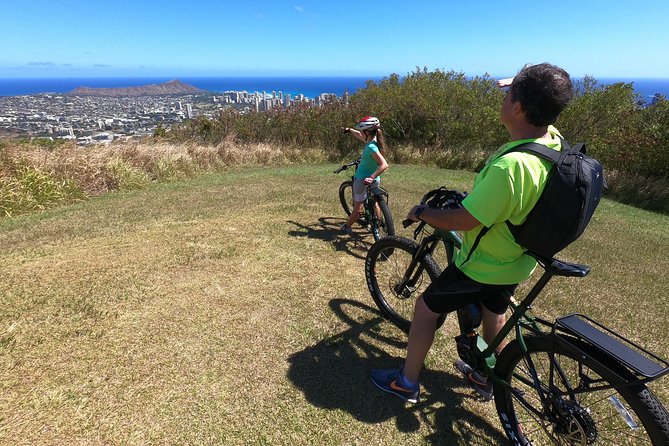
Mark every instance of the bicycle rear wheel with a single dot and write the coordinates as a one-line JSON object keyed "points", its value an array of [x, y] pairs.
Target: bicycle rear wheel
{"points": [[383, 226], [571, 408], [393, 288]]}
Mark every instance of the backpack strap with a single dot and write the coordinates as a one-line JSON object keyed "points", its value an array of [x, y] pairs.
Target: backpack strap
{"points": [[484, 230], [542, 151], [546, 153]]}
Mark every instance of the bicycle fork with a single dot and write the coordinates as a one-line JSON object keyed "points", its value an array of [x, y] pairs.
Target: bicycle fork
{"points": [[406, 287]]}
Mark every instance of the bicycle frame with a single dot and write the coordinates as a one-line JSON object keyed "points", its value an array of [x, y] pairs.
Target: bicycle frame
{"points": [[369, 204], [427, 246]]}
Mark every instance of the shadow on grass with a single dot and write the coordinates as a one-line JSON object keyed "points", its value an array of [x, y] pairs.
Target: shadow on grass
{"points": [[327, 229], [334, 374]]}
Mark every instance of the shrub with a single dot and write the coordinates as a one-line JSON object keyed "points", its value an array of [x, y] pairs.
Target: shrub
{"points": [[122, 175]]}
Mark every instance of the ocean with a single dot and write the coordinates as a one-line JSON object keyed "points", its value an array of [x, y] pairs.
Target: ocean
{"points": [[308, 86]]}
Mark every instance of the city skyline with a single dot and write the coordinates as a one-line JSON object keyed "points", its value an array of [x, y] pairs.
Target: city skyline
{"points": [[72, 38]]}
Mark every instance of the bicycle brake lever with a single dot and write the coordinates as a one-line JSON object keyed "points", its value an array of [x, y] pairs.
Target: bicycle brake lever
{"points": [[418, 230]]}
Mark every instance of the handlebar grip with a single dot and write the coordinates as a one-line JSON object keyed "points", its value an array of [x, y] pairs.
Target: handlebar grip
{"points": [[407, 222]]}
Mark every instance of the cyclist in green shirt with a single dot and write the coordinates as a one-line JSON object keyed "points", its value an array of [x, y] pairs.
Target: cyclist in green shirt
{"points": [[372, 164], [506, 189]]}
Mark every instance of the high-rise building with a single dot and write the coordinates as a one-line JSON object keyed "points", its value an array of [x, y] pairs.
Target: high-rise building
{"points": [[189, 111]]}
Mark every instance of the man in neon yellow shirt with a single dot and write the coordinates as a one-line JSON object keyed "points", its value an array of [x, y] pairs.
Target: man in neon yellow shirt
{"points": [[506, 189]]}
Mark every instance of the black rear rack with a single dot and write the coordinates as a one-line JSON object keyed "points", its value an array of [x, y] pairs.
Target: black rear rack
{"points": [[631, 355]]}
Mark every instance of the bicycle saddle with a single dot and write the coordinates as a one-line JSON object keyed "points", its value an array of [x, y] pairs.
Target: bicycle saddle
{"points": [[560, 268]]}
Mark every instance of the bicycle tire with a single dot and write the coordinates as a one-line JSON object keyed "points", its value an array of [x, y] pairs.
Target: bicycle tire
{"points": [[591, 417], [385, 265], [385, 227], [346, 196]]}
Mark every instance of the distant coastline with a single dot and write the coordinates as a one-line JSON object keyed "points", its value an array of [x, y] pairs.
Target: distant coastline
{"points": [[308, 86], [165, 88]]}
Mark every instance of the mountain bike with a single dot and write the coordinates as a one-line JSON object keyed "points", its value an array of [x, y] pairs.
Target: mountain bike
{"points": [[571, 381], [375, 212]]}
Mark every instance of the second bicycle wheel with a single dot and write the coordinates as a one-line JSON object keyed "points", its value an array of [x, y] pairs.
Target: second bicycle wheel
{"points": [[383, 226], [559, 397], [393, 287]]}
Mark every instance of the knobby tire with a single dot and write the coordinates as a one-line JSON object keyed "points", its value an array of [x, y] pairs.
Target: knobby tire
{"points": [[386, 263], [346, 196]]}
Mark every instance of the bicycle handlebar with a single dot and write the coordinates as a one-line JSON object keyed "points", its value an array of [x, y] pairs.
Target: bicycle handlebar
{"points": [[348, 166]]}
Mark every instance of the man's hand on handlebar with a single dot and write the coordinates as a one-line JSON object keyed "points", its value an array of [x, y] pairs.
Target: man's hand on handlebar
{"points": [[412, 213], [411, 216]]}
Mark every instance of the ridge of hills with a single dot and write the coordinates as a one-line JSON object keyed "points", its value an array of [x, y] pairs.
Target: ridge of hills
{"points": [[171, 87]]}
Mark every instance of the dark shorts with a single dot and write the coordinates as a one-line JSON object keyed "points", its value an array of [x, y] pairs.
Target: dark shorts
{"points": [[453, 290]]}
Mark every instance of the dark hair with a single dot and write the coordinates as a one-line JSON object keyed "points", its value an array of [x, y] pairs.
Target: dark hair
{"points": [[380, 141], [543, 90]]}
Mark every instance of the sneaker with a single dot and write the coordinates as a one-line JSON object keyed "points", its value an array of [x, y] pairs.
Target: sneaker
{"points": [[475, 380], [388, 381], [346, 229]]}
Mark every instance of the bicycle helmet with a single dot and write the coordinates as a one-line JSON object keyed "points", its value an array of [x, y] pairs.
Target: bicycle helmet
{"points": [[368, 123]]}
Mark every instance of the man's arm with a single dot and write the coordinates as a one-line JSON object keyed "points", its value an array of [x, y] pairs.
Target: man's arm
{"points": [[447, 219]]}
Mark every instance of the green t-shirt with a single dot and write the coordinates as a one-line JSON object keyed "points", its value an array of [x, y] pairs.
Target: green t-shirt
{"points": [[506, 189], [368, 164]]}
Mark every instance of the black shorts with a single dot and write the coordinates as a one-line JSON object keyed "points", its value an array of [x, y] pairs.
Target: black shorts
{"points": [[453, 290]]}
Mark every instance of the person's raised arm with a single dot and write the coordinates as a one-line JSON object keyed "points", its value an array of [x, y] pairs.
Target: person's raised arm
{"points": [[357, 133]]}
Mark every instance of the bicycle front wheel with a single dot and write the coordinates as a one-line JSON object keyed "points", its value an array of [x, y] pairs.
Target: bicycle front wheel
{"points": [[382, 225], [557, 396], [346, 196], [394, 287]]}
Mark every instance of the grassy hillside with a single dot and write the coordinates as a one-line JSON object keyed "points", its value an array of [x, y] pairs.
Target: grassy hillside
{"points": [[227, 309]]}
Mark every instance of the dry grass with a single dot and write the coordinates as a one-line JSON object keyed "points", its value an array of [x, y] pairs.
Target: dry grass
{"points": [[37, 176], [228, 310]]}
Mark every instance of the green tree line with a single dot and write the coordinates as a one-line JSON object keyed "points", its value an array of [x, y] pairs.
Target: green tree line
{"points": [[448, 119]]}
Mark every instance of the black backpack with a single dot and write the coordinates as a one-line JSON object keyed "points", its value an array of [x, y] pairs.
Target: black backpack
{"points": [[564, 209]]}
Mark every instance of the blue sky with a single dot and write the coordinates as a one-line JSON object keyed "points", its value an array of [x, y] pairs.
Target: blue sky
{"points": [[75, 38]]}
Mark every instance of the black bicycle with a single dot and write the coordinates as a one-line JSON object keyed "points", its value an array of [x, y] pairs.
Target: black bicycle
{"points": [[376, 213], [571, 381]]}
